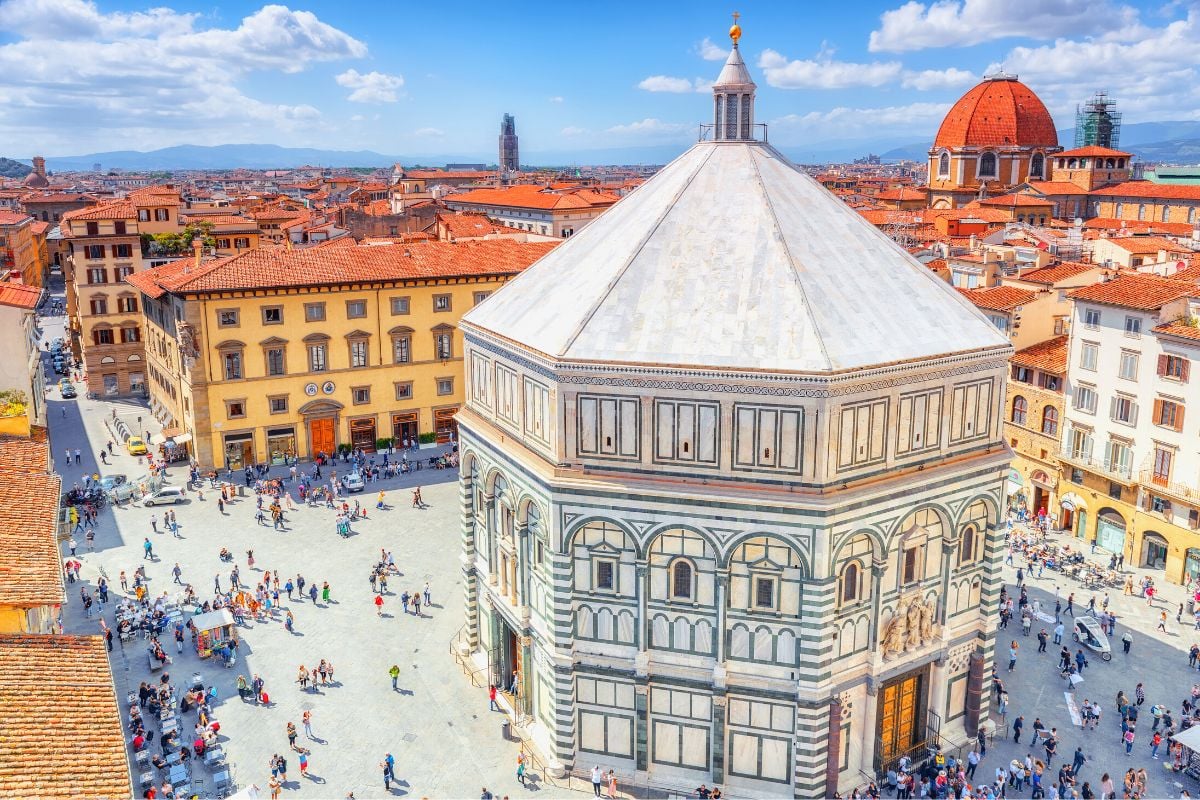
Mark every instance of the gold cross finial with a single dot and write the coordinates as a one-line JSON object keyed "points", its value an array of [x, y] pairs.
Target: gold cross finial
{"points": [[735, 32]]}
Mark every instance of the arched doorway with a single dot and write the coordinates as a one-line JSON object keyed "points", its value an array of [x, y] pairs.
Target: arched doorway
{"points": [[1041, 492], [1154, 550], [1110, 531], [1072, 508]]}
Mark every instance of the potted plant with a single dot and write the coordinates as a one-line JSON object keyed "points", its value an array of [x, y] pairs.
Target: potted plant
{"points": [[383, 445], [427, 439]]}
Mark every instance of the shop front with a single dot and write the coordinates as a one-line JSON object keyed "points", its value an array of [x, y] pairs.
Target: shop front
{"points": [[1073, 516], [1154, 550], [444, 425], [1014, 488], [1043, 490], [1110, 531], [239, 449], [363, 434], [404, 426], [1191, 564], [281, 444]]}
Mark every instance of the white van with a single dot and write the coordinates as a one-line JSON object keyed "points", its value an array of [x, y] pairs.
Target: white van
{"points": [[167, 495]]}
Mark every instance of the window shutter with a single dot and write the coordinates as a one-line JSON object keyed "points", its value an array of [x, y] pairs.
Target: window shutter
{"points": [[1162, 365], [1179, 417], [1133, 413], [1108, 454], [1186, 367], [1112, 408], [1158, 411]]}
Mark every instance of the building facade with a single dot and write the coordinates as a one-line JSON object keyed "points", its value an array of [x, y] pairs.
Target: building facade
{"points": [[1033, 426], [105, 244], [711, 541], [550, 212], [282, 353], [21, 368], [1130, 467]]}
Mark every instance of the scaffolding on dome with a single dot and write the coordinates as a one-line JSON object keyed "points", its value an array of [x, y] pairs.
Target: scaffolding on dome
{"points": [[1097, 122]]}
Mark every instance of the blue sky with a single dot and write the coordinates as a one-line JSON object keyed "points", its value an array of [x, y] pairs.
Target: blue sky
{"points": [[420, 78]]}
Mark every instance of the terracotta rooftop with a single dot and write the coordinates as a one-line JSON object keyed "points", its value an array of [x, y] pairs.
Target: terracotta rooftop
{"points": [[1048, 356], [1139, 226], [1147, 189], [1016, 199], [1056, 187], [115, 209], [1148, 244], [25, 453], [60, 733], [347, 264], [13, 218], [57, 197], [529, 196], [30, 565], [1180, 329], [466, 224], [1134, 290], [998, 298], [1054, 273], [904, 193], [1091, 151], [19, 295], [998, 112]]}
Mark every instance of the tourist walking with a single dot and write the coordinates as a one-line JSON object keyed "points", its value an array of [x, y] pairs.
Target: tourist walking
{"points": [[395, 673]]}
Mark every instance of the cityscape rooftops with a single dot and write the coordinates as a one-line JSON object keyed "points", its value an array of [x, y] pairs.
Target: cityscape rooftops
{"points": [[1092, 151], [1149, 190], [19, 295], [1135, 290], [530, 196], [1048, 356], [999, 298], [1055, 273]]}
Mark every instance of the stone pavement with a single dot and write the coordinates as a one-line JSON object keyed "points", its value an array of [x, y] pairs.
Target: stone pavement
{"points": [[1157, 660]]}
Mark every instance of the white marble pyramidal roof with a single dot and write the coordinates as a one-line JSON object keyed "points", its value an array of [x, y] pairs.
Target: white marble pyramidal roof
{"points": [[732, 258]]}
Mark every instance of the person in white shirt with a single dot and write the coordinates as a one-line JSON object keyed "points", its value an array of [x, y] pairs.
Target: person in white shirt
{"points": [[597, 778]]}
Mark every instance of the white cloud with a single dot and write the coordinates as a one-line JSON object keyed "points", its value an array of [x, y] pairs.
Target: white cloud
{"points": [[709, 51], [665, 83], [959, 23], [153, 78], [571, 130], [556, 99], [429, 132], [371, 87], [650, 127], [950, 78], [824, 72]]}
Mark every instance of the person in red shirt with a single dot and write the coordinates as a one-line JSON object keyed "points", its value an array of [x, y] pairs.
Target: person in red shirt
{"points": [[492, 698], [139, 742], [379, 605]]}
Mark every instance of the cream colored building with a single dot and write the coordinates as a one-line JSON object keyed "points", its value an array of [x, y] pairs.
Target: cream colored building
{"points": [[280, 353]]}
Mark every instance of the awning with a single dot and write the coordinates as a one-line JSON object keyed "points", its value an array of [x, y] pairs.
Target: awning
{"points": [[1189, 738], [1072, 502], [213, 619], [183, 438], [158, 438], [1015, 482]]}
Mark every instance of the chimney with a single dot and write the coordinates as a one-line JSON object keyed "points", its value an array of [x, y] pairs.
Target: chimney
{"points": [[198, 249]]}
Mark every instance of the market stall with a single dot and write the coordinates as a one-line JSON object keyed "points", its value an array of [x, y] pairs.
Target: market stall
{"points": [[214, 632], [1187, 761]]}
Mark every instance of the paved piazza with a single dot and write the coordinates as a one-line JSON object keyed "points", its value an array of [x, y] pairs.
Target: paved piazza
{"points": [[445, 741]]}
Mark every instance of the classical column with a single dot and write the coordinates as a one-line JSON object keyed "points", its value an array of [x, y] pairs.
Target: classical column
{"points": [[974, 694], [643, 627], [949, 548], [878, 569], [470, 588], [719, 704]]}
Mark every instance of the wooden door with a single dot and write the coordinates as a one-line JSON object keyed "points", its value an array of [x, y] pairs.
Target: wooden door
{"points": [[899, 717], [321, 438]]}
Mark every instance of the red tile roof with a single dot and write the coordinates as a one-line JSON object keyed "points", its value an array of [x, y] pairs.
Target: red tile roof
{"points": [[1092, 150], [19, 295], [528, 196], [24, 454], [465, 224], [1138, 226], [340, 265], [1054, 273], [998, 298], [904, 193], [1048, 356], [1013, 200], [30, 565], [1149, 190], [1180, 329], [116, 209], [998, 113], [40, 228], [60, 734], [1148, 244], [1056, 187], [1134, 290], [13, 218]]}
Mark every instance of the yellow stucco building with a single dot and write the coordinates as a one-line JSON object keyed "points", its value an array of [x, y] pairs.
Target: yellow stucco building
{"points": [[280, 352]]}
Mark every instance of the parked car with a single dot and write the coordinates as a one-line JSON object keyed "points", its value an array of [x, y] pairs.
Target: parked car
{"points": [[67, 389], [166, 496], [135, 446], [118, 487], [353, 482], [60, 366]]}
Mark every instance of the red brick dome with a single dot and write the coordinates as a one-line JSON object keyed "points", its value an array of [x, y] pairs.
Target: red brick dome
{"points": [[999, 112]]}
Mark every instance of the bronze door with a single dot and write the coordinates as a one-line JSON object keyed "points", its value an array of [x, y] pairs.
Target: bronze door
{"points": [[900, 710]]}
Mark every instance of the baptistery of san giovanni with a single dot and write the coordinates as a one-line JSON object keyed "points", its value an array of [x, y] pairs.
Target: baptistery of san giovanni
{"points": [[731, 470]]}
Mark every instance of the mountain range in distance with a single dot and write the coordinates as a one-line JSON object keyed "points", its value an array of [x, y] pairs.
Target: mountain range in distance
{"points": [[1170, 142]]}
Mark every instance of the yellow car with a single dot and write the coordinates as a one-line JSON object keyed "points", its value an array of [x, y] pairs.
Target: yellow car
{"points": [[135, 446]]}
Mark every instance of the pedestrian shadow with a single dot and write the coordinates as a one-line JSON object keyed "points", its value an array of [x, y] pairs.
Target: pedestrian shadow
{"points": [[386, 615], [296, 633], [407, 692], [312, 777]]}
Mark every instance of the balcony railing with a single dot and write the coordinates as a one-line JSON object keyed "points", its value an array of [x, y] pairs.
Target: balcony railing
{"points": [[1122, 472], [1161, 485]]}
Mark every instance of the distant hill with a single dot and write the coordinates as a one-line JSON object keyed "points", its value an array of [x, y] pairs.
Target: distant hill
{"points": [[224, 156], [13, 169]]}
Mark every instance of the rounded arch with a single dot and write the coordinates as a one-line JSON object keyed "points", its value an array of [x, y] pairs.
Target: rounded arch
{"points": [[655, 534], [1037, 166], [733, 545], [944, 164], [578, 526], [988, 500], [468, 463], [496, 477], [681, 578], [877, 537], [988, 165], [910, 522], [1020, 410]]}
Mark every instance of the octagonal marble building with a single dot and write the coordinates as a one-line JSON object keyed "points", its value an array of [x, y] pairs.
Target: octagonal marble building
{"points": [[731, 474]]}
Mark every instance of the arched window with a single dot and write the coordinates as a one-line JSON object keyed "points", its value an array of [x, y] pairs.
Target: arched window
{"points": [[681, 580], [1142, 211], [1109, 164], [1166, 213], [944, 165], [1120, 163], [987, 165], [1020, 410], [851, 582], [1072, 163], [966, 545], [1050, 421], [1037, 167]]}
